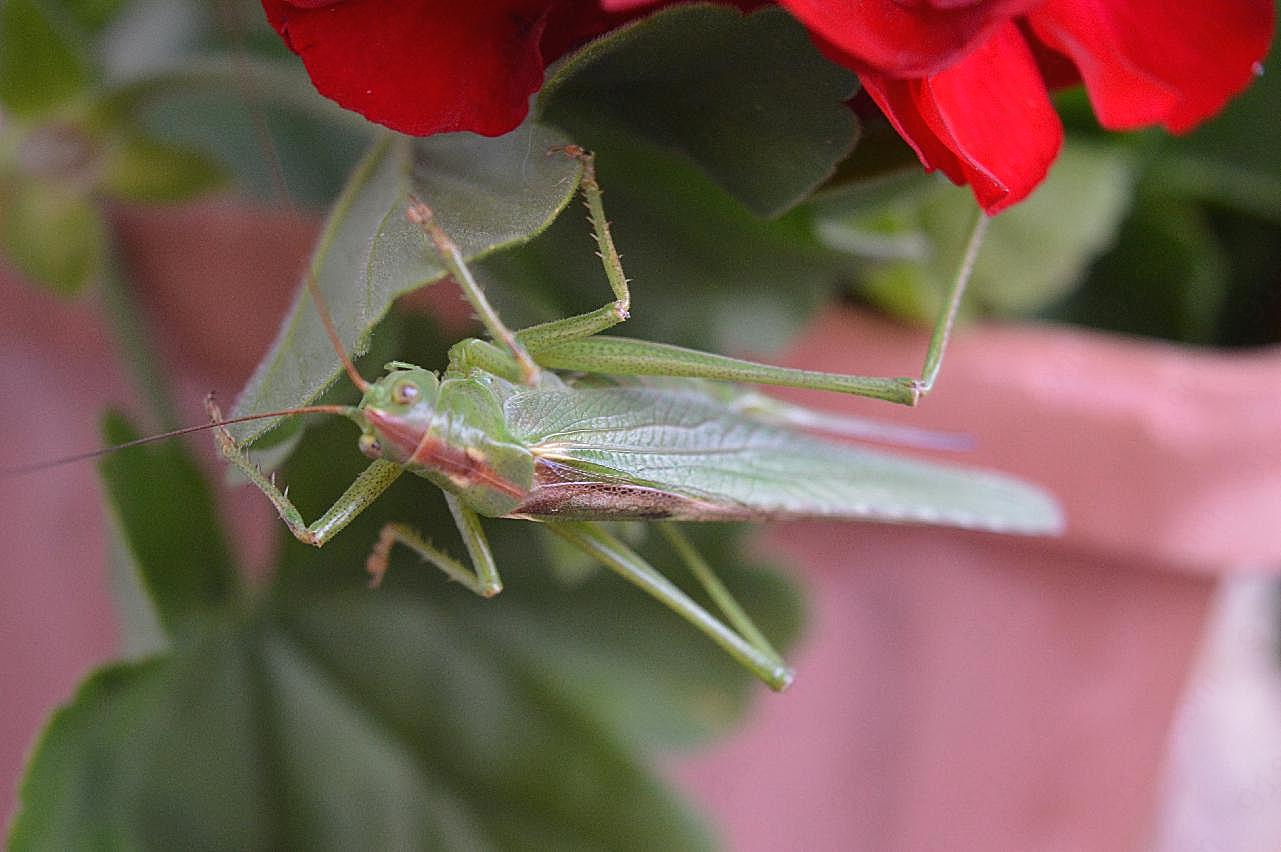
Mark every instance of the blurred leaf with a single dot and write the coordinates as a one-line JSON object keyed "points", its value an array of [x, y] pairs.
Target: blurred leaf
{"points": [[260, 120], [137, 168], [1198, 259], [870, 219], [1251, 310], [1033, 254], [52, 233], [487, 194], [486, 722], [1220, 181], [357, 721], [746, 98], [41, 64], [1167, 276], [1041, 248], [638, 669], [141, 633], [871, 195], [599, 646], [64, 802], [881, 153], [92, 15], [164, 514]]}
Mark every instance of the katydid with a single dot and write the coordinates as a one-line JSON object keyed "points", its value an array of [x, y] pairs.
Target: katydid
{"points": [[503, 435], [657, 435]]}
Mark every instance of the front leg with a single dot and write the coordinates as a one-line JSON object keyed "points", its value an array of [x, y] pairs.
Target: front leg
{"points": [[366, 488]]}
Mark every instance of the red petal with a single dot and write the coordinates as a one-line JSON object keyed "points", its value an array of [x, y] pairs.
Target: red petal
{"points": [[902, 39], [986, 121], [421, 66], [1155, 61]]}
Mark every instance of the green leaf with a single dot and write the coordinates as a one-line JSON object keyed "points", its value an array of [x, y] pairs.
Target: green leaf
{"points": [[1250, 249], [141, 633], [358, 721], [746, 98], [486, 723], [164, 515], [487, 193], [137, 168], [706, 272], [1034, 253], [41, 65], [63, 800], [52, 232]]}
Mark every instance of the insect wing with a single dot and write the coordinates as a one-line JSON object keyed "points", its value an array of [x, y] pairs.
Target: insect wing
{"points": [[647, 452]]}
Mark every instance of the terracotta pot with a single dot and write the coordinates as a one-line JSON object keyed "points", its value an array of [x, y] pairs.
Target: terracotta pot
{"points": [[956, 691], [969, 691]]}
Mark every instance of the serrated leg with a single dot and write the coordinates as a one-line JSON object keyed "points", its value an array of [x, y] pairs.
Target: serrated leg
{"points": [[481, 579], [363, 491]]}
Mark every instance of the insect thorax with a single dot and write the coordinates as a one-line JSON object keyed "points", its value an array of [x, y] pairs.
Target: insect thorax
{"points": [[459, 440]]}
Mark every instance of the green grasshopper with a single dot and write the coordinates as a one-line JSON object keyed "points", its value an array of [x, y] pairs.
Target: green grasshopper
{"points": [[505, 435]]}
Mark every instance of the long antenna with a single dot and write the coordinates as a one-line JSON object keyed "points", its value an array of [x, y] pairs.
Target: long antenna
{"points": [[19, 470]]}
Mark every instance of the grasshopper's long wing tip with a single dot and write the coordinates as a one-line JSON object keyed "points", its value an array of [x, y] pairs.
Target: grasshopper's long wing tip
{"points": [[970, 499], [913, 492], [1025, 509], [1049, 519]]}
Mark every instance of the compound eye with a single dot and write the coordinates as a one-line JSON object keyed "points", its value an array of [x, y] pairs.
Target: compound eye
{"points": [[370, 447], [404, 393]]}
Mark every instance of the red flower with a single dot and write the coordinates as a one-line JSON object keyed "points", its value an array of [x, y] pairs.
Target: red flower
{"points": [[965, 82], [432, 66]]}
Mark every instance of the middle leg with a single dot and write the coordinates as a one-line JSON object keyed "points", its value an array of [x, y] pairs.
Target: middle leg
{"points": [[482, 578]]}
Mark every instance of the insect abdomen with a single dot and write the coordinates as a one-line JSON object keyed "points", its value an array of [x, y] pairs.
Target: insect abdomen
{"points": [[564, 492]]}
